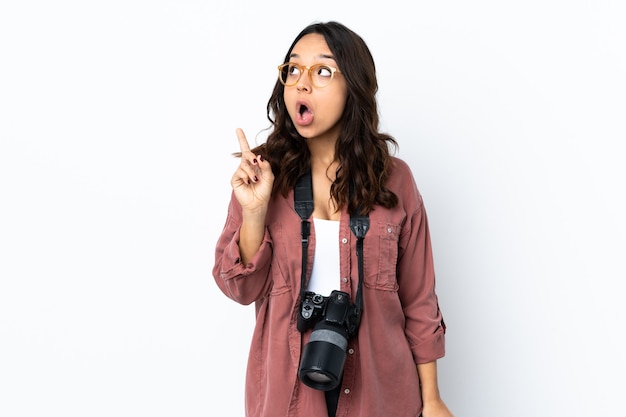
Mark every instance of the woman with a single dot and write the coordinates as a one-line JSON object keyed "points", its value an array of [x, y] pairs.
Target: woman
{"points": [[383, 357]]}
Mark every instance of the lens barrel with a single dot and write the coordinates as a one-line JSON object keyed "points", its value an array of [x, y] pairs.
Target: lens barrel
{"points": [[323, 358]]}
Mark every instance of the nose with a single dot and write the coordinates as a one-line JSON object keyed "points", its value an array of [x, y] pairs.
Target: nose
{"points": [[304, 83]]}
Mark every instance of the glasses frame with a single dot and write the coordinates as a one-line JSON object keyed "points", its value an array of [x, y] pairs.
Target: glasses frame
{"points": [[302, 68]]}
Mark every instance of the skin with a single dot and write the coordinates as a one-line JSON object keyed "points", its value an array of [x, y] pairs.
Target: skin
{"points": [[433, 404], [252, 182]]}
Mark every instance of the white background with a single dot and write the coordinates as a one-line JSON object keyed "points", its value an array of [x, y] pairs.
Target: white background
{"points": [[117, 125]]}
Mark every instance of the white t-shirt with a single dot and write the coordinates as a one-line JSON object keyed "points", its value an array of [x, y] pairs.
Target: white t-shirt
{"points": [[325, 273]]}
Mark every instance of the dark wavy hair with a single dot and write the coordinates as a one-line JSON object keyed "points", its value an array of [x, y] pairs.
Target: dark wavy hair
{"points": [[362, 151]]}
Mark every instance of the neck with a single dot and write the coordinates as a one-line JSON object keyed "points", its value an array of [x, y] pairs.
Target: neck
{"points": [[322, 151], [323, 162]]}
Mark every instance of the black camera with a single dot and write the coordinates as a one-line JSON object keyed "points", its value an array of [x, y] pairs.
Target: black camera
{"points": [[334, 320]]}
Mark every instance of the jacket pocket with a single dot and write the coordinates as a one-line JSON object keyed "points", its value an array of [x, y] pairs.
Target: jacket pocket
{"points": [[381, 256]]}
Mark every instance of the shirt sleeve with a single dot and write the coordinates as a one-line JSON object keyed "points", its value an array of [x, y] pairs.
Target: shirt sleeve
{"points": [[242, 283], [424, 328]]}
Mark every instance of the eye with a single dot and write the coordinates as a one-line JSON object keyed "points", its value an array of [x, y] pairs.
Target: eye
{"points": [[293, 70], [323, 71]]}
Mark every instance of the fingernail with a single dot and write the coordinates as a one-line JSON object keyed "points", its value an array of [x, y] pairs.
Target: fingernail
{"points": [[254, 161], [261, 158], [255, 179]]}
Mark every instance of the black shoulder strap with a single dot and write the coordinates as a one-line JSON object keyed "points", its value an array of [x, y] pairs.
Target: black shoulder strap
{"points": [[303, 204], [359, 225], [303, 196]]}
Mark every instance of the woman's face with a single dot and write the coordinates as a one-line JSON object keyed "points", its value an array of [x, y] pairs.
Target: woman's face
{"points": [[316, 112]]}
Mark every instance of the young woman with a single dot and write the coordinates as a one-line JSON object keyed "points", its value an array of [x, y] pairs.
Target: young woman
{"points": [[360, 259]]}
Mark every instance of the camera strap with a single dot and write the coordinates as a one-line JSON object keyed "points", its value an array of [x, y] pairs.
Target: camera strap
{"points": [[359, 224]]}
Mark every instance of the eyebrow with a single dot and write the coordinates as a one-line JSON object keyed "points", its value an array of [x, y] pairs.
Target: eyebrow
{"points": [[323, 56]]}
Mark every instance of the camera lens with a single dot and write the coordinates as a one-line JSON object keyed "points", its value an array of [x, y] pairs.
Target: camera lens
{"points": [[323, 357], [319, 377]]}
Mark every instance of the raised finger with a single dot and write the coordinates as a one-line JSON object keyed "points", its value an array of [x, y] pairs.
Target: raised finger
{"points": [[243, 142]]}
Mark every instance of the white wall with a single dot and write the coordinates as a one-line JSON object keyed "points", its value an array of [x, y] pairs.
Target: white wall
{"points": [[117, 122]]}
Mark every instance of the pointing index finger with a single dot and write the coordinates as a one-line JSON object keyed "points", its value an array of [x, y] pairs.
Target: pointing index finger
{"points": [[243, 142]]}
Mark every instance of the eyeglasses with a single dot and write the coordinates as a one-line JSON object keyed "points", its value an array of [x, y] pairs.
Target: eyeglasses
{"points": [[320, 74]]}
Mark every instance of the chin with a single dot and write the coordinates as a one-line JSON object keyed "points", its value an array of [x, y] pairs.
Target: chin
{"points": [[304, 131]]}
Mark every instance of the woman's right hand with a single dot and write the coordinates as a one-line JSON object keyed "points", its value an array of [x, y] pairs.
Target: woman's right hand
{"points": [[252, 182]]}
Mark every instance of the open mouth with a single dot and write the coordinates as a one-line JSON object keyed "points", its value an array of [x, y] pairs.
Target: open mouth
{"points": [[304, 115]]}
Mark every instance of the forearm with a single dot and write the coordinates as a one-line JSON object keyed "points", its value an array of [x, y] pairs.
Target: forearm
{"points": [[428, 381], [432, 402], [251, 234]]}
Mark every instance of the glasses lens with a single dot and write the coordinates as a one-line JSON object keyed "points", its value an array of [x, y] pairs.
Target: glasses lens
{"points": [[321, 75], [289, 74]]}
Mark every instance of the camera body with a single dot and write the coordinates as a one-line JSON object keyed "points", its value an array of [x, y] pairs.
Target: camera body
{"points": [[336, 309], [334, 320]]}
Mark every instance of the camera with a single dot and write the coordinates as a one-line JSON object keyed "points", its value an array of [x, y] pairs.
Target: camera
{"points": [[334, 320]]}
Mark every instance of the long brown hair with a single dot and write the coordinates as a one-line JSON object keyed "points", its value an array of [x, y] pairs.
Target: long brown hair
{"points": [[362, 151]]}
